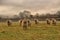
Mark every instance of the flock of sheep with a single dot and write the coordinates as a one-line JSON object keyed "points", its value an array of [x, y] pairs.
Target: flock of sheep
{"points": [[27, 22]]}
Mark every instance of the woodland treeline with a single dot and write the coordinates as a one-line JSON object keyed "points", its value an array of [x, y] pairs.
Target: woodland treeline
{"points": [[28, 14]]}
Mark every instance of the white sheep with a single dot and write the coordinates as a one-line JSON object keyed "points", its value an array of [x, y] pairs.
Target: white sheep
{"points": [[29, 22], [24, 24], [20, 22], [36, 21], [53, 21], [48, 21], [9, 22]]}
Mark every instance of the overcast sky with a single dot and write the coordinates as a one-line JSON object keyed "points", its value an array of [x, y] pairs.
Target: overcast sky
{"points": [[12, 7]]}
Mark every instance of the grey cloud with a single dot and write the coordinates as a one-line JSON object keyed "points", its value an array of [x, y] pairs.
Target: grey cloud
{"points": [[32, 4], [41, 3]]}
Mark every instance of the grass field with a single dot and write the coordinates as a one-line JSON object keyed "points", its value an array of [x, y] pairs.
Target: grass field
{"points": [[42, 31]]}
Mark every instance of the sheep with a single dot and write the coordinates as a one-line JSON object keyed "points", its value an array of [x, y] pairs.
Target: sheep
{"points": [[9, 22], [48, 21], [53, 21], [25, 24], [20, 22], [29, 22], [36, 21]]}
